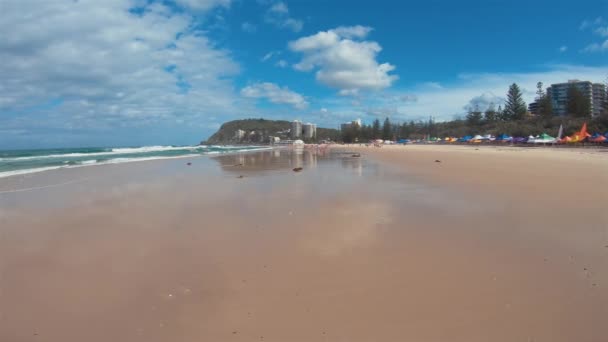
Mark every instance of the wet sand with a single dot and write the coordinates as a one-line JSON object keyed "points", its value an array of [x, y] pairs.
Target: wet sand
{"points": [[390, 246]]}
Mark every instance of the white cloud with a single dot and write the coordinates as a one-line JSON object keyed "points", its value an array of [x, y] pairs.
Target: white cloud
{"points": [[279, 7], [116, 69], [350, 32], [270, 54], [601, 31], [248, 27], [278, 15], [343, 63], [563, 48], [598, 29], [282, 63], [202, 5], [275, 94], [595, 47], [587, 23]]}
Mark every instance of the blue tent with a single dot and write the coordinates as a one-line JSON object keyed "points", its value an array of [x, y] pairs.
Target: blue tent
{"points": [[504, 137], [465, 138], [403, 141]]}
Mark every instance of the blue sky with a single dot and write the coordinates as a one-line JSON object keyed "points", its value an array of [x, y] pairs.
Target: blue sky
{"points": [[141, 72]]}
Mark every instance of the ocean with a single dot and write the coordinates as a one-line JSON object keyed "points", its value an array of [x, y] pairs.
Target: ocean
{"points": [[17, 162]]}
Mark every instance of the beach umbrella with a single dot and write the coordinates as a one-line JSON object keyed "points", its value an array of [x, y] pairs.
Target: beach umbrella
{"points": [[560, 132]]}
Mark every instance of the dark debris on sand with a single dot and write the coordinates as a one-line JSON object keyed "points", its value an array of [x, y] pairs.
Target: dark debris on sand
{"points": [[297, 169]]}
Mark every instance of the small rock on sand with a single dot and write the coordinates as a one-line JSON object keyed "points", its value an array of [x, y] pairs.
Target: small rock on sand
{"points": [[297, 169], [240, 176], [437, 161]]}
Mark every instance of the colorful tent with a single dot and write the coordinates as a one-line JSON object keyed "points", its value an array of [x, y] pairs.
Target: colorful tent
{"points": [[520, 140], [544, 139], [579, 136], [504, 138], [466, 138], [476, 139], [598, 138]]}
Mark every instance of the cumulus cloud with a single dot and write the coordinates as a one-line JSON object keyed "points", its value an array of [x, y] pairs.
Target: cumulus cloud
{"points": [[282, 63], [484, 101], [563, 48], [248, 27], [598, 27], [278, 15], [202, 5], [275, 94], [343, 60], [587, 23], [595, 47], [103, 65]]}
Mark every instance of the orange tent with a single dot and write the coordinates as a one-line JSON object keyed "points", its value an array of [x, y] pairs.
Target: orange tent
{"points": [[578, 136]]}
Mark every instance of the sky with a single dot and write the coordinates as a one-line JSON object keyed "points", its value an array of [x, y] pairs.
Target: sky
{"points": [[77, 73]]}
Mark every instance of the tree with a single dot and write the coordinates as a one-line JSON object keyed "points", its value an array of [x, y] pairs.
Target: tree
{"points": [[543, 100], [490, 115], [474, 117], [386, 130], [578, 105], [376, 129], [515, 108], [501, 115]]}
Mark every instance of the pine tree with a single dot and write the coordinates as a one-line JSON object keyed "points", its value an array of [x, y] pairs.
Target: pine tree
{"points": [[386, 130], [474, 117], [490, 115], [376, 129], [515, 108]]}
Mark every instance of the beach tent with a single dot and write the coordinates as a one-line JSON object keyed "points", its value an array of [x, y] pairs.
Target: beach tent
{"points": [[544, 139], [579, 136], [531, 139], [488, 137], [403, 141], [598, 138], [504, 138], [466, 138], [519, 140], [476, 139]]}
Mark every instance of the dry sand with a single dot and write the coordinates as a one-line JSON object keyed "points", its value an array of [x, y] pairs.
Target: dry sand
{"points": [[487, 245]]}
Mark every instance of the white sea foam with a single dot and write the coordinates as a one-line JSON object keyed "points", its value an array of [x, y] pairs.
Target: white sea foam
{"points": [[94, 162]]}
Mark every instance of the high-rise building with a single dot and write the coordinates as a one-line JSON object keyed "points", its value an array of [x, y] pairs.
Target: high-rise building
{"points": [[595, 92], [533, 108], [296, 129], [309, 130]]}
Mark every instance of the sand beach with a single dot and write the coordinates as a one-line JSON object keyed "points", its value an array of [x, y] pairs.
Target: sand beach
{"points": [[403, 243]]}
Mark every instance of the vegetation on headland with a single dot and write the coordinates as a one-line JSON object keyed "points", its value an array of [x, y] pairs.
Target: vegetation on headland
{"points": [[258, 131], [513, 119]]}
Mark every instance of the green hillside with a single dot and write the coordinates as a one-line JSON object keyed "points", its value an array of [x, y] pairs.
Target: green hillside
{"points": [[259, 130]]}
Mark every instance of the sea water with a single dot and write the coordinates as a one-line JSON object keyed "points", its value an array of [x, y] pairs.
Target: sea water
{"points": [[16, 162]]}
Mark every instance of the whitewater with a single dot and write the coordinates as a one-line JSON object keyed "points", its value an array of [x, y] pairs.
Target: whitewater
{"points": [[20, 162]]}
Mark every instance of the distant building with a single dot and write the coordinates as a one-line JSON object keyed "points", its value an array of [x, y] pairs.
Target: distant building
{"points": [[533, 108], [309, 131], [347, 125], [296, 129], [595, 92], [239, 135]]}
